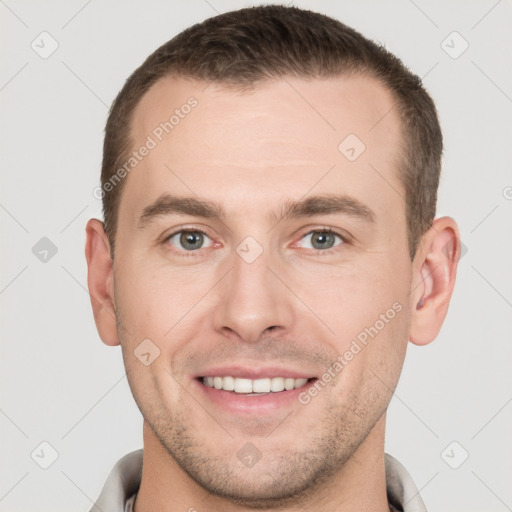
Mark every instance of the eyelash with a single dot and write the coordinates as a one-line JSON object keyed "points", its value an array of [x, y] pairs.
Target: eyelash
{"points": [[187, 254]]}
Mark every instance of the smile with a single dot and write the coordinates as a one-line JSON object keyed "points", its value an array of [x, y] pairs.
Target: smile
{"points": [[253, 386]]}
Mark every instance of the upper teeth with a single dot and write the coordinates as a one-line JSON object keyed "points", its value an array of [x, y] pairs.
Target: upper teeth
{"points": [[238, 385]]}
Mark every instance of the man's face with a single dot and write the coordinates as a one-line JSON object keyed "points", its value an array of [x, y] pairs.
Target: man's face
{"points": [[284, 303]]}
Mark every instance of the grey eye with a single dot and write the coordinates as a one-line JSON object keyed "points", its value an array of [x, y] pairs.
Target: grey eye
{"points": [[189, 240], [321, 240]]}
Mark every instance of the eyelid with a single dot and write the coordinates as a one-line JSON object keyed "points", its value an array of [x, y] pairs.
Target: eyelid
{"points": [[181, 229], [344, 236]]}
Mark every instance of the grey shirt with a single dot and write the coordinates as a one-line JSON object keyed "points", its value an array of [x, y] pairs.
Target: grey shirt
{"points": [[122, 484]]}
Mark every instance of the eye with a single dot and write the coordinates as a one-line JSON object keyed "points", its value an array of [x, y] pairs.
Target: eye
{"points": [[322, 239], [189, 240]]}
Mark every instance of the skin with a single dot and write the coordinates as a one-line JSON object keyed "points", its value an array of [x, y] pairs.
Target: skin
{"points": [[293, 307]]}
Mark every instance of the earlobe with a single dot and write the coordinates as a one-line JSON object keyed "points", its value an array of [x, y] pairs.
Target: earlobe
{"points": [[100, 280], [435, 272]]}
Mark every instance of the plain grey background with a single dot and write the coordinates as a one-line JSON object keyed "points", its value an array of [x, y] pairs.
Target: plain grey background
{"points": [[450, 420]]}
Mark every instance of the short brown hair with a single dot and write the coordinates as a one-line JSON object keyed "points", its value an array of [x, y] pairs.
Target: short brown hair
{"points": [[243, 47]]}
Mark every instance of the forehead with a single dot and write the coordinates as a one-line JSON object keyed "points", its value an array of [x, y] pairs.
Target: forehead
{"points": [[283, 135], [356, 104]]}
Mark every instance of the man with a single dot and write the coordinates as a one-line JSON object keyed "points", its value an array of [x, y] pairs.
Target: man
{"points": [[269, 248]]}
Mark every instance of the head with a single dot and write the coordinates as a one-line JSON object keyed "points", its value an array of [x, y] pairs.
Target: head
{"points": [[303, 160]]}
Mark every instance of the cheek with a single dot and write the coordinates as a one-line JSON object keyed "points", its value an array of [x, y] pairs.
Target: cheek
{"points": [[367, 308], [154, 301], [377, 352], [149, 315], [353, 298]]}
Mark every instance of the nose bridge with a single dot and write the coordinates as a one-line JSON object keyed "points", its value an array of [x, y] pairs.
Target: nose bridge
{"points": [[251, 298]]}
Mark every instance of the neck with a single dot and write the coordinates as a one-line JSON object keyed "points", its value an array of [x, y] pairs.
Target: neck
{"points": [[360, 484]]}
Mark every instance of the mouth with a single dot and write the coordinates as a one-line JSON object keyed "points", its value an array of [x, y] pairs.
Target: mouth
{"points": [[250, 392], [253, 387]]}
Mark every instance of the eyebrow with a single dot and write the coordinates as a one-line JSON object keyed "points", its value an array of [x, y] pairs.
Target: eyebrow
{"points": [[325, 204]]}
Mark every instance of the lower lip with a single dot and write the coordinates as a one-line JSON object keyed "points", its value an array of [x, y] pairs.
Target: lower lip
{"points": [[240, 403]]}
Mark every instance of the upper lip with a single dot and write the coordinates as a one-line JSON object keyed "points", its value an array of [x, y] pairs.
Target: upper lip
{"points": [[254, 372]]}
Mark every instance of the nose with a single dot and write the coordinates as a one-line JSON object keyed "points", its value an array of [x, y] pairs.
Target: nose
{"points": [[251, 299]]}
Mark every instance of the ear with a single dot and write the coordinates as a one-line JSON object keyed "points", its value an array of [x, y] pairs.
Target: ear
{"points": [[435, 268], [100, 280]]}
